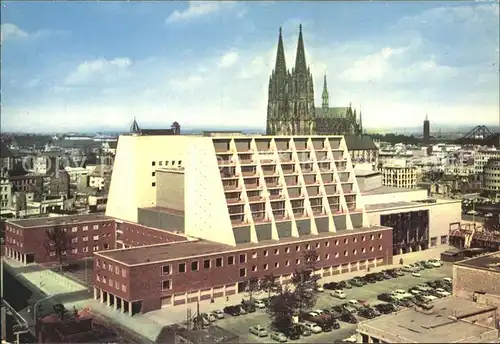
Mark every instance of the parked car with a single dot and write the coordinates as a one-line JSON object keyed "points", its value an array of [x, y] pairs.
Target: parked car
{"points": [[312, 327], [320, 289], [305, 332], [201, 320], [337, 309], [384, 308], [430, 298], [348, 318], [258, 330], [436, 262], [351, 339], [441, 292], [423, 287], [386, 275], [331, 285], [357, 282], [387, 297], [367, 313], [292, 333], [349, 308], [219, 314], [409, 268], [344, 285], [336, 313], [210, 317], [232, 310], [247, 306], [279, 337], [260, 304], [448, 280], [339, 294], [356, 304]]}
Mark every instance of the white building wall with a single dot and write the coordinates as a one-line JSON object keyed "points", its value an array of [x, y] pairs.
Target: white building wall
{"points": [[206, 211]]}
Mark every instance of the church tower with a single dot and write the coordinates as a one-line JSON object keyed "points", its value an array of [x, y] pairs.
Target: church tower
{"points": [[302, 102], [325, 96], [290, 107], [278, 104]]}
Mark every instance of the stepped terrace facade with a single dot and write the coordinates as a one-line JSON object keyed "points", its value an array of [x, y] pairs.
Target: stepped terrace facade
{"points": [[249, 206]]}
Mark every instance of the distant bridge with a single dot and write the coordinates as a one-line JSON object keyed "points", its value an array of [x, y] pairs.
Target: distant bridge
{"points": [[480, 135]]}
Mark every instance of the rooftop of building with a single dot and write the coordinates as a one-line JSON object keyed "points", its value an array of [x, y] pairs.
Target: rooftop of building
{"points": [[49, 221], [401, 204], [365, 173], [387, 190], [185, 249], [165, 210], [440, 326], [212, 334], [490, 262]]}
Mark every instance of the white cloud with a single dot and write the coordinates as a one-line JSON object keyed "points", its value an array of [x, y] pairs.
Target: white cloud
{"points": [[185, 83], [229, 59], [197, 9], [10, 31], [101, 69]]}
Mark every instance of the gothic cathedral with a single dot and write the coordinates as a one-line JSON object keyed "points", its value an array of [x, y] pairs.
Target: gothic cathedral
{"points": [[291, 110]]}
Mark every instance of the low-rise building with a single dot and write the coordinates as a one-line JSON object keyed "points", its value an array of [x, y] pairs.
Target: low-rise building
{"points": [[491, 176], [478, 279], [27, 241], [482, 157], [448, 320]]}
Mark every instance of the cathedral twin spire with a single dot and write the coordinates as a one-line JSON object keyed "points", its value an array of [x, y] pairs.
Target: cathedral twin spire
{"points": [[300, 57]]}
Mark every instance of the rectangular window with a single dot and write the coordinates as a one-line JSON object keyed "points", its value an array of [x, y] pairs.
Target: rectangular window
{"points": [[124, 272], [243, 258], [444, 239], [153, 174], [165, 270], [206, 264], [182, 267], [153, 163], [254, 268], [74, 250], [276, 251], [85, 249], [96, 227], [194, 266], [230, 260], [95, 237], [85, 238], [74, 240], [117, 270], [117, 285], [218, 262], [85, 228], [153, 184], [243, 272], [96, 248], [52, 254], [110, 267], [74, 229], [287, 249], [166, 285], [266, 266], [111, 282], [124, 287]]}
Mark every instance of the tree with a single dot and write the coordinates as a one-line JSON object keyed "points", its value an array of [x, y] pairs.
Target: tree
{"points": [[252, 287], [492, 223], [58, 242], [268, 284], [282, 308], [306, 282]]}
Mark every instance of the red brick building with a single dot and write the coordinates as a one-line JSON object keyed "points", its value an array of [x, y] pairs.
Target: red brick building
{"points": [[27, 240], [137, 280]]}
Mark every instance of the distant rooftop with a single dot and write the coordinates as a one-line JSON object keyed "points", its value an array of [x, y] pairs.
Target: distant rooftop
{"points": [[365, 173], [490, 262], [440, 326], [48, 221]]}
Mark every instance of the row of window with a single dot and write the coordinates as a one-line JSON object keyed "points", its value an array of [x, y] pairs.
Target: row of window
{"points": [[110, 267], [111, 283], [75, 250], [207, 263], [14, 241], [160, 163]]}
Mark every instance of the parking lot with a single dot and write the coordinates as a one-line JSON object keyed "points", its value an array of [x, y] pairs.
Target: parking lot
{"points": [[239, 325]]}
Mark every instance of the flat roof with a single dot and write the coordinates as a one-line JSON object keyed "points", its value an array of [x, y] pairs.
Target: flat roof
{"points": [[185, 249], [363, 173], [165, 210], [381, 206], [490, 262], [387, 190], [213, 334], [441, 326], [48, 221]]}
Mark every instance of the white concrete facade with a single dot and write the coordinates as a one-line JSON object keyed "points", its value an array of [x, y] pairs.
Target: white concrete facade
{"points": [[399, 176], [224, 174], [393, 195]]}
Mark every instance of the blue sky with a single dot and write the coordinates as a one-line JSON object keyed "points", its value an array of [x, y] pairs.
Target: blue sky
{"points": [[85, 65]]}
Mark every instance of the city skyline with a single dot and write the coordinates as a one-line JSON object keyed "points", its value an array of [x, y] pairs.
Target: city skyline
{"points": [[208, 63]]}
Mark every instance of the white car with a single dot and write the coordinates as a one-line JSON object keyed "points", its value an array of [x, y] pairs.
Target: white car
{"points": [[430, 298], [312, 327], [442, 292], [339, 294], [260, 304], [423, 287], [448, 279], [416, 274], [400, 294], [320, 289], [219, 314], [351, 339], [435, 262]]}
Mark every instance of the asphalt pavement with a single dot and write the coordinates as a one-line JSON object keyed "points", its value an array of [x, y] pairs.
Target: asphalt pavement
{"points": [[239, 325]]}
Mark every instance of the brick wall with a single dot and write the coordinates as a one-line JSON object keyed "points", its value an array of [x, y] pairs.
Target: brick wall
{"points": [[468, 280], [133, 235]]}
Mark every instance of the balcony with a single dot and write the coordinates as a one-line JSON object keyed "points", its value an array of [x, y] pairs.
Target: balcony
{"points": [[341, 166], [298, 212], [224, 160], [334, 207], [338, 156], [268, 172], [237, 219], [344, 177], [253, 186], [248, 172], [222, 146], [317, 209], [275, 197], [235, 209], [288, 170], [256, 199], [300, 144], [247, 162], [233, 200], [230, 186]]}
